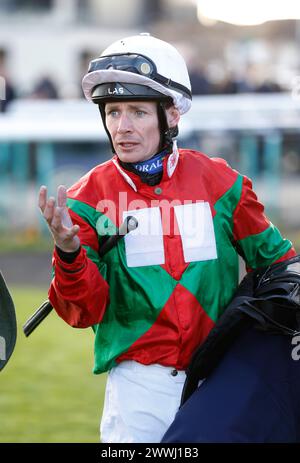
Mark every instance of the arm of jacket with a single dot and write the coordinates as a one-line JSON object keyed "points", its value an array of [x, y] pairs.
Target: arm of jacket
{"points": [[257, 240], [78, 292]]}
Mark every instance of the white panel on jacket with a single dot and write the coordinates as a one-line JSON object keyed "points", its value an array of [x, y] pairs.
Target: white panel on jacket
{"points": [[144, 245], [197, 231]]}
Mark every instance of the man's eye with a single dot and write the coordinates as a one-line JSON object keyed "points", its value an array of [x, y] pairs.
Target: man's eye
{"points": [[112, 113], [140, 113]]}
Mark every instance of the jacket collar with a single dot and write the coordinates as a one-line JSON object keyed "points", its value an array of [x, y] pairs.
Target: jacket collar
{"points": [[170, 164]]}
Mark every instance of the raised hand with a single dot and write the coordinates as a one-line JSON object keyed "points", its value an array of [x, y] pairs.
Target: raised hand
{"points": [[58, 219]]}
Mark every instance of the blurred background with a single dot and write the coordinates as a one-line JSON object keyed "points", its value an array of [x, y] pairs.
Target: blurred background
{"points": [[244, 65]]}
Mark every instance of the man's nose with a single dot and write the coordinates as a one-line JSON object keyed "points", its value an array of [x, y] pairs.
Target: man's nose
{"points": [[125, 124]]}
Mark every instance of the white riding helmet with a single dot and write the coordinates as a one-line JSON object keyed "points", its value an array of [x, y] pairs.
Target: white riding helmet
{"points": [[142, 60]]}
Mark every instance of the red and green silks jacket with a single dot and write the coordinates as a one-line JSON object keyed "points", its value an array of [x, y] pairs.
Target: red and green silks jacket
{"points": [[156, 295]]}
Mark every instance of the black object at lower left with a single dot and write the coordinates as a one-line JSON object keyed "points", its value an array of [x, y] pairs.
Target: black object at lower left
{"points": [[8, 324]]}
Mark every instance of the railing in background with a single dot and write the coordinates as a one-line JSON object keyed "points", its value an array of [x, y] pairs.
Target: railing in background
{"points": [[53, 142]]}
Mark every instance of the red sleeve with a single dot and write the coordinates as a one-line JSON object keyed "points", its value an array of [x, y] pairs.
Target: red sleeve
{"points": [[78, 292], [259, 241], [249, 217]]}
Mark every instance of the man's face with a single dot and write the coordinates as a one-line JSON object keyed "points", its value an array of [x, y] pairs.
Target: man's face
{"points": [[134, 129]]}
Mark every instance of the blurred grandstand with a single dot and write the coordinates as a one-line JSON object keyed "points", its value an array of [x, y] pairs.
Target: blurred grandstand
{"points": [[54, 142]]}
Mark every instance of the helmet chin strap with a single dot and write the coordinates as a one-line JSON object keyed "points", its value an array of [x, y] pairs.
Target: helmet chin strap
{"points": [[167, 134], [101, 107]]}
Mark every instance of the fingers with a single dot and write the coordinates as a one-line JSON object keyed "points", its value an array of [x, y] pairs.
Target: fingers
{"points": [[62, 205], [42, 198], [58, 219], [65, 238], [47, 206], [56, 222], [49, 210], [61, 196], [72, 232]]}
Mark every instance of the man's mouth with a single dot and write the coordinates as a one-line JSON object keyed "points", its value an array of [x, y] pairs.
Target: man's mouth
{"points": [[127, 145]]}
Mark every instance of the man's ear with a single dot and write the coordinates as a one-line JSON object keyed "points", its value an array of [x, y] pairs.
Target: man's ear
{"points": [[173, 116]]}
